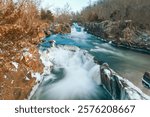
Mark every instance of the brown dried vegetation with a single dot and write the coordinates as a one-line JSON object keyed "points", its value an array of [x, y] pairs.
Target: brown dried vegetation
{"points": [[21, 28], [135, 10]]}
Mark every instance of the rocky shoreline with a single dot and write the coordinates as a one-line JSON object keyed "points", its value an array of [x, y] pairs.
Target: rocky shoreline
{"points": [[57, 29], [118, 87], [21, 68], [20, 63], [121, 34]]}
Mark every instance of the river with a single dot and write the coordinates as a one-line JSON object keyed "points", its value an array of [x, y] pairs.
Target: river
{"points": [[127, 63]]}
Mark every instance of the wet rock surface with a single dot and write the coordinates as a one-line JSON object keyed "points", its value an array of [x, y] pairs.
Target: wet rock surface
{"points": [[121, 33], [118, 87], [146, 79]]}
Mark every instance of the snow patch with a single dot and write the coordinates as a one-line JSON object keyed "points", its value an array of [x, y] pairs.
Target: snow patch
{"points": [[128, 89], [27, 78], [108, 72], [26, 49], [26, 52], [37, 76], [133, 91], [15, 64], [135, 95], [39, 79]]}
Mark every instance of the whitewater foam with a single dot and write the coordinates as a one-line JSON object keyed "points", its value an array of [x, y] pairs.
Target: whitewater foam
{"points": [[74, 75]]}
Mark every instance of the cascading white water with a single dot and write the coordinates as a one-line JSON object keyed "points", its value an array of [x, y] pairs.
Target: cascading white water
{"points": [[74, 75]]}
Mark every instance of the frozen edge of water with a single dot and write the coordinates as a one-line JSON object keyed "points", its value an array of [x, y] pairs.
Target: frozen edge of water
{"points": [[74, 48]]}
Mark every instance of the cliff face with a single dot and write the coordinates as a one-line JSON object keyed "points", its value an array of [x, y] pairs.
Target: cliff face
{"points": [[121, 33]]}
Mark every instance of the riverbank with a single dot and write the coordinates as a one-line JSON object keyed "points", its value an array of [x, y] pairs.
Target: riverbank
{"points": [[22, 27], [20, 62], [121, 34], [95, 81], [25, 66], [119, 87]]}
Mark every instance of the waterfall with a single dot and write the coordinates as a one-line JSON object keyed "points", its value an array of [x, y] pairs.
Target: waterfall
{"points": [[74, 75]]}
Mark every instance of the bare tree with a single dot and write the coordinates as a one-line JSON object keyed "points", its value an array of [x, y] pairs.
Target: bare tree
{"points": [[63, 15], [135, 10]]}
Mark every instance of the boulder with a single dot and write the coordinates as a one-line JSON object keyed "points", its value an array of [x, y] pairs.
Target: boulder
{"points": [[118, 87], [60, 28], [146, 79]]}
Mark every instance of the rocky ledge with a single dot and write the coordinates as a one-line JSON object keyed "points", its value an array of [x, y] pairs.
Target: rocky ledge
{"points": [[146, 79], [121, 33], [118, 87]]}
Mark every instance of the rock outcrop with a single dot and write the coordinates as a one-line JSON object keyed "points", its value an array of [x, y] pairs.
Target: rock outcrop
{"points": [[146, 79], [118, 87], [60, 28], [120, 33], [19, 60], [57, 29]]}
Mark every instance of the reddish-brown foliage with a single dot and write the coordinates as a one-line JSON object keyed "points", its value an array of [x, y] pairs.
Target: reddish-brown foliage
{"points": [[19, 20]]}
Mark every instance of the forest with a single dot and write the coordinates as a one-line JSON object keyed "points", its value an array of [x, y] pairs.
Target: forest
{"points": [[135, 10]]}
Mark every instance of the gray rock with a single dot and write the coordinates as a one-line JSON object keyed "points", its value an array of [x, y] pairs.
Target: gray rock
{"points": [[146, 79], [118, 87], [121, 33]]}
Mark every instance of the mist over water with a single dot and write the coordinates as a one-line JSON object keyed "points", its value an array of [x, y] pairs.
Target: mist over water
{"points": [[74, 76]]}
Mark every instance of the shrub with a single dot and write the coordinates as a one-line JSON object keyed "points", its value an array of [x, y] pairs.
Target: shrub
{"points": [[19, 20]]}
